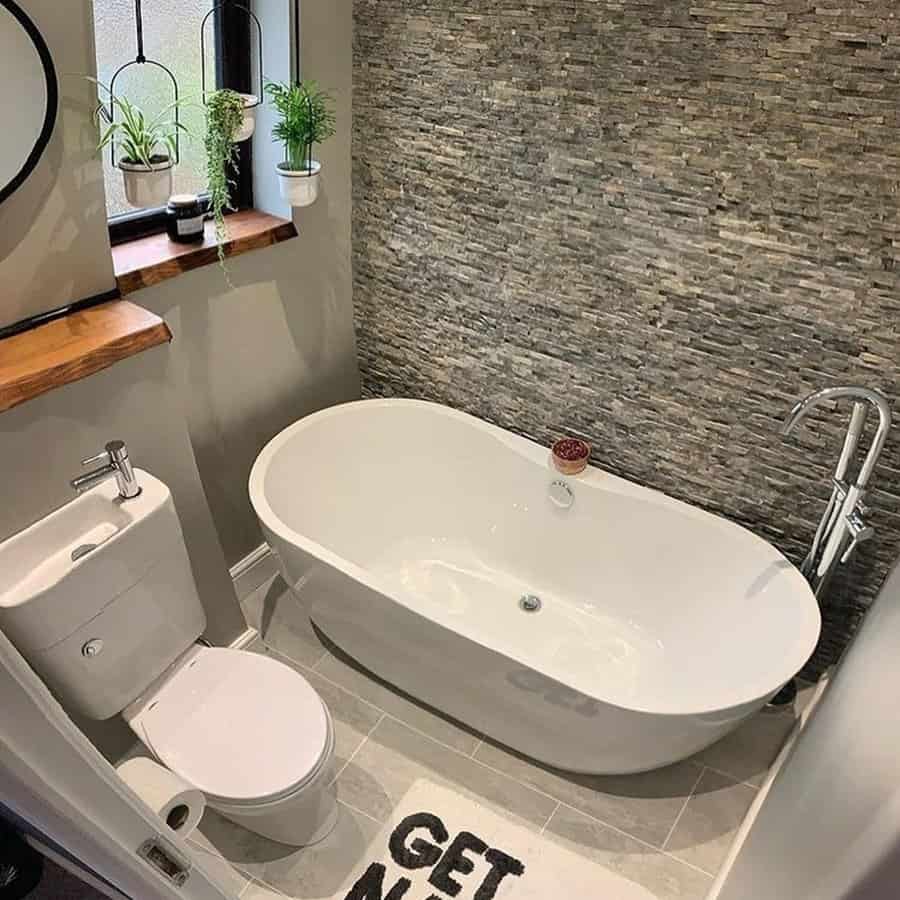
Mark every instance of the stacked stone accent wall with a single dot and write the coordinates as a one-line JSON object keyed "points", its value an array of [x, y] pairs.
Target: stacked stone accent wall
{"points": [[652, 224]]}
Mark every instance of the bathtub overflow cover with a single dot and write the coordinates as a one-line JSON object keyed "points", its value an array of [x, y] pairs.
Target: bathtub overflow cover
{"points": [[530, 604]]}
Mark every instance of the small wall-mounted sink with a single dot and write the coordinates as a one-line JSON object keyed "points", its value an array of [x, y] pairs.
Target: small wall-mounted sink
{"points": [[69, 566]]}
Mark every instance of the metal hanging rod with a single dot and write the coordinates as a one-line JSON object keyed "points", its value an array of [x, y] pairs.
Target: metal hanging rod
{"points": [[139, 20], [254, 19], [108, 113]]}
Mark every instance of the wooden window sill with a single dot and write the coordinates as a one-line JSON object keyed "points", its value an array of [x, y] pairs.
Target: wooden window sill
{"points": [[73, 347], [151, 260]]}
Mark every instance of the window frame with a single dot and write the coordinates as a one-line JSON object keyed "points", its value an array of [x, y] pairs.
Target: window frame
{"points": [[233, 50]]}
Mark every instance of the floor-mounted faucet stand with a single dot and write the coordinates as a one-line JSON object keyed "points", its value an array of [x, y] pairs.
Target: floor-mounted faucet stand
{"points": [[843, 526]]}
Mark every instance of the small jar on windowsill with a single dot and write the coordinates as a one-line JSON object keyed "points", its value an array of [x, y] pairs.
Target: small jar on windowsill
{"points": [[184, 219]]}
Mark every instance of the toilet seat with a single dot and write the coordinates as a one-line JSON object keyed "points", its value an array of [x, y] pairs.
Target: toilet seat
{"points": [[242, 727]]}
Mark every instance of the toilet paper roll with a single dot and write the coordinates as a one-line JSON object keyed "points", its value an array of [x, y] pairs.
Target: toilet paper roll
{"points": [[178, 804]]}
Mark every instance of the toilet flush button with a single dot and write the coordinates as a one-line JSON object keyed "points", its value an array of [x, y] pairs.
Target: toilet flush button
{"points": [[92, 648]]}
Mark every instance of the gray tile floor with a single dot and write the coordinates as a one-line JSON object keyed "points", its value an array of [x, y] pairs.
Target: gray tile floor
{"points": [[668, 830]]}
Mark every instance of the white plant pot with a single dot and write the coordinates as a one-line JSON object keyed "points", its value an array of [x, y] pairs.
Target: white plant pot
{"points": [[299, 188], [248, 126], [145, 188]]}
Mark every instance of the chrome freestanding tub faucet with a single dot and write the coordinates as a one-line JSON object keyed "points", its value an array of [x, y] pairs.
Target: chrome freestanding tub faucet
{"points": [[843, 526]]}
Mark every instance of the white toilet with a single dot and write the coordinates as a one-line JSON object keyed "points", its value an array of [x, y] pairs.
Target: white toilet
{"points": [[249, 732], [113, 630]]}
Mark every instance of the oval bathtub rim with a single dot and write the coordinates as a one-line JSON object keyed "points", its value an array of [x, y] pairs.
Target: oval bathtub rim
{"points": [[532, 451]]}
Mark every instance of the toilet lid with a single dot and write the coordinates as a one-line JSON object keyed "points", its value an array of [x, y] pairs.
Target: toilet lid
{"points": [[237, 725]]}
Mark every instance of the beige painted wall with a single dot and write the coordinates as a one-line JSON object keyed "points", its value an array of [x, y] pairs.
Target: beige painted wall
{"points": [[245, 362], [53, 239], [41, 443], [252, 360]]}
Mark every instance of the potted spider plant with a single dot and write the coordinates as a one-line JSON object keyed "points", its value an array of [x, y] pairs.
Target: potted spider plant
{"points": [[145, 149], [306, 117]]}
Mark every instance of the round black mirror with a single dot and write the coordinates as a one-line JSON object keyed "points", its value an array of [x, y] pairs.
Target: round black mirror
{"points": [[28, 112]]}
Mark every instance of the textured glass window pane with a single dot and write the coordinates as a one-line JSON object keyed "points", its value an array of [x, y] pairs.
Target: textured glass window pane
{"points": [[171, 37]]}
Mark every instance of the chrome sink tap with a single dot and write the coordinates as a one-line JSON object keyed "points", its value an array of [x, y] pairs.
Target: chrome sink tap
{"points": [[115, 464], [843, 526]]}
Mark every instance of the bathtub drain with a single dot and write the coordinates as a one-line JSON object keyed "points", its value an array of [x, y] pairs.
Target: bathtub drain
{"points": [[530, 603]]}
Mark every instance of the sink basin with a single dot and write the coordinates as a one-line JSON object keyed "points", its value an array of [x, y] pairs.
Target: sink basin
{"points": [[58, 573]]}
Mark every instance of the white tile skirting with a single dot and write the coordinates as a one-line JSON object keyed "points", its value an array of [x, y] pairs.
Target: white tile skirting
{"points": [[249, 575]]}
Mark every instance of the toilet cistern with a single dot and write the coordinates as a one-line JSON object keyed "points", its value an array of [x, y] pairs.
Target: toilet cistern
{"points": [[99, 597], [115, 464]]}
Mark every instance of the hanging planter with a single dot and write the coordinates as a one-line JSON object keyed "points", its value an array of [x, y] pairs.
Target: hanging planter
{"points": [[306, 118], [248, 118], [251, 101], [144, 149], [147, 187], [299, 187]]}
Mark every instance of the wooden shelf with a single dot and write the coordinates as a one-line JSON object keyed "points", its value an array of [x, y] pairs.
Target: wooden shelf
{"points": [[73, 347], [151, 260]]}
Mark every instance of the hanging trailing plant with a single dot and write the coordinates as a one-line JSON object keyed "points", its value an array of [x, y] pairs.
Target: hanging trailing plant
{"points": [[224, 118]]}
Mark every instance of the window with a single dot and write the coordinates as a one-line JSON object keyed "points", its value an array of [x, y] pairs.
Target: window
{"points": [[171, 37]]}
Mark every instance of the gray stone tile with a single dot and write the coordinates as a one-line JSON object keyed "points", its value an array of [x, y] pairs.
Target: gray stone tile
{"points": [[353, 718], [215, 865], [645, 806], [666, 877], [710, 821], [395, 756], [282, 622], [346, 673], [747, 753], [684, 274], [303, 873]]}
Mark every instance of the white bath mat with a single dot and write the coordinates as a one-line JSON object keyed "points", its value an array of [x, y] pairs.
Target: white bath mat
{"points": [[440, 845]]}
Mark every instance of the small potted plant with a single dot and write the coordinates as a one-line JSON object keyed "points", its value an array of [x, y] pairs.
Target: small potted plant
{"points": [[146, 151], [225, 122], [306, 117]]}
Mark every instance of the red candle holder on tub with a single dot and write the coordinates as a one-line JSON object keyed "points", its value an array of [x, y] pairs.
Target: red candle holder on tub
{"points": [[571, 455]]}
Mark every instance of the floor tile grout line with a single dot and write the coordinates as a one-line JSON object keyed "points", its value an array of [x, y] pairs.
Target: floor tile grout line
{"points": [[478, 746], [459, 752], [326, 679], [735, 778], [530, 787], [259, 880], [212, 850], [362, 744], [375, 706], [360, 812], [266, 885], [550, 817], [534, 789], [684, 807], [560, 803], [575, 809], [641, 841]]}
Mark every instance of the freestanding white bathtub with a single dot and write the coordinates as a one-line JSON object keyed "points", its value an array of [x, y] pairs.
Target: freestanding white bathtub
{"points": [[412, 533]]}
